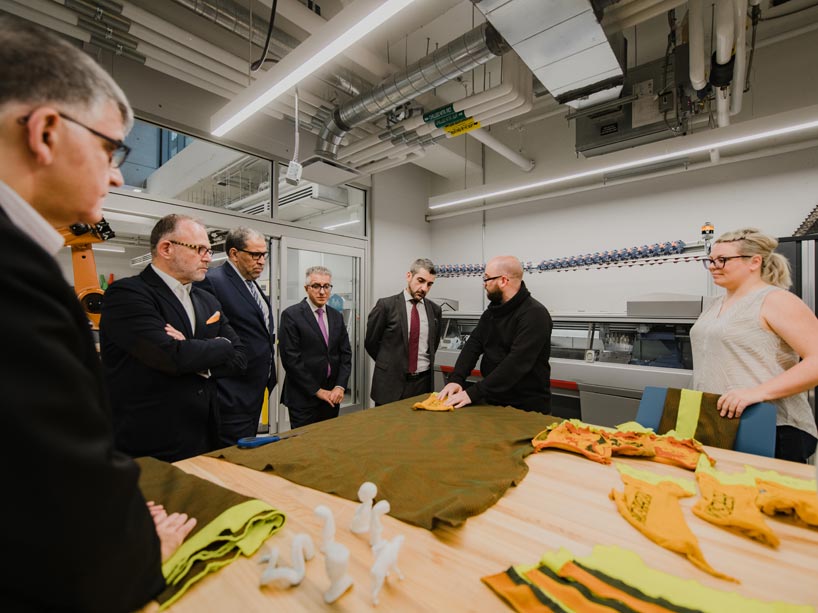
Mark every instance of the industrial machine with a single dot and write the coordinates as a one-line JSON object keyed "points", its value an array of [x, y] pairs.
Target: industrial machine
{"points": [[80, 237], [600, 364]]}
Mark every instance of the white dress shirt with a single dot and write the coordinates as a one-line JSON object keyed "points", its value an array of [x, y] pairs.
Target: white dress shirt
{"points": [[182, 292]]}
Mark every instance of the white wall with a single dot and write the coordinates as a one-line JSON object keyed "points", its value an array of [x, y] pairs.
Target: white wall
{"points": [[399, 232]]}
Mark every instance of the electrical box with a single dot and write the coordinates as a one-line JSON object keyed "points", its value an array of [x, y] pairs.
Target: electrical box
{"points": [[648, 118]]}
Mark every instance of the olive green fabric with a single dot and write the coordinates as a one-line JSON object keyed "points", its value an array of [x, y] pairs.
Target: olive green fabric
{"points": [[228, 524], [710, 428], [432, 467]]}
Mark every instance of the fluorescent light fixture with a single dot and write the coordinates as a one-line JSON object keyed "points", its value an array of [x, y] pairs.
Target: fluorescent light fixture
{"points": [[349, 26], [218, 257], [632, 164], [111, 248], [338, 225], [138, 190]]}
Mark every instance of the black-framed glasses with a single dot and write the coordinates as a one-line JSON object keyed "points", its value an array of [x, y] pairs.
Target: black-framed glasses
{"points": [[256, 255], [200, 249], [320, 288], [719, 262], [487, 279], [118, 151]]}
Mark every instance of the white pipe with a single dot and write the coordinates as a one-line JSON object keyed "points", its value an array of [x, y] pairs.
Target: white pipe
{"points": [[725, 31], [761, 153], [512, 156], [389, 163], [723, 106], [740, 67], [695, 23]]}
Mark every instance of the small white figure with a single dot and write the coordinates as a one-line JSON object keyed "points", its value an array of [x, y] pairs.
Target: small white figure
{"points": [[386, 561], [282, 576], [328, 531], [361, 519], [337, 561], [375, 527]]}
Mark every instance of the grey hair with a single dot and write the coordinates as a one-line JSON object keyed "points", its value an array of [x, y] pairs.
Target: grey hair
{"points": [[423, 264], [316, 270], [237, 238], [167, 225], [775, 268], [37, 67]]}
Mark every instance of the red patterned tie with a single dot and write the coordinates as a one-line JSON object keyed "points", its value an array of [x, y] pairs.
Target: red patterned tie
{"points": [[414, 338]]}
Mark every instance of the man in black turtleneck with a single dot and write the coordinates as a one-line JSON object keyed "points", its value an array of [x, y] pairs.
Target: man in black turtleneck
{"points": [[514, 338]]}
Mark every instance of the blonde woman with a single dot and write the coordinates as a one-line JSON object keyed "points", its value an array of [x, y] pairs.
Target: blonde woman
{"points": [[747, 343]]}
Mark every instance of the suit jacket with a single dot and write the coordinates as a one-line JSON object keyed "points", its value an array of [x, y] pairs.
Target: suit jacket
{"points": [[304, 354], [387, 342], [162, 406], [241, 397], [60, 468]]}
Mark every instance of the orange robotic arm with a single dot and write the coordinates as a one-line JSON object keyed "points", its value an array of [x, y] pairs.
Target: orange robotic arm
{"points": [[80, 237]]}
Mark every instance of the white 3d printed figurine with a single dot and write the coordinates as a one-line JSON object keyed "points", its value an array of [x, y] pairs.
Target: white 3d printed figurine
{"points": [[328, 531], [282, 576], [337, 561], [375, 527], [361, 519], [386, 561]]}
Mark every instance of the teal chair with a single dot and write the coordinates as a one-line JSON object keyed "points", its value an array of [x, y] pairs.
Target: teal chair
{"points": [[756, 430]]}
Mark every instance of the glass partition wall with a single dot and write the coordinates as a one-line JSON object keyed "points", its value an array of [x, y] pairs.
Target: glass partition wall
{"points": [[169, 172]]}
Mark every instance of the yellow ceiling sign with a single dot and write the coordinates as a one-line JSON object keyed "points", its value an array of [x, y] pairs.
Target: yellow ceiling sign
{"points": [[461, 127]]}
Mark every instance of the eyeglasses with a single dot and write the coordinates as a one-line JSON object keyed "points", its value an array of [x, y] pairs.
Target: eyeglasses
{"points": [[317, 287], [487, 279], [118, 151], [719, 262], [256, 255], [200, 249]]}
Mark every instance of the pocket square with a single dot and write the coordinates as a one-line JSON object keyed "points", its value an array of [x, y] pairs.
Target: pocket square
{"points": [[214, 318]]}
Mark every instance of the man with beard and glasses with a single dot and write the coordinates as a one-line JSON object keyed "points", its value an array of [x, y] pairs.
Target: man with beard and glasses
{"points": [[513, 337], [402, 336]]}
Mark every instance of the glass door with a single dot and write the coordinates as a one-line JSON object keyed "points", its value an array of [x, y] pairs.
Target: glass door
{"points": [[345, 263]]}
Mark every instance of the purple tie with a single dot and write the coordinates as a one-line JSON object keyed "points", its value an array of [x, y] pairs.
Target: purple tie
{"points": [[320, 313]]}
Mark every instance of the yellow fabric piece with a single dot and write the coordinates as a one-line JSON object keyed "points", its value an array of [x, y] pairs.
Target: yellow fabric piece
{"points": [[245, 526], [776, 498], [687, 418], [651, 477], [628, 567], [733, 507], [653, 509], [785, 480], [634, 426], [432, 403]]}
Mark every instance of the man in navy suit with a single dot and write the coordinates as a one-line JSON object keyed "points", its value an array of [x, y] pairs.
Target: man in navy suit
{"points": [[164, 342], [248, 309], [316, 354]]}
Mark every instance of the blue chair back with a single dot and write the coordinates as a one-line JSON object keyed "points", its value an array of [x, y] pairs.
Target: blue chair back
{"points": [[756, 430]]}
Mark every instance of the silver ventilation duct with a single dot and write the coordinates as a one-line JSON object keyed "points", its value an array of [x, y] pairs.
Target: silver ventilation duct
{"points": [[463, 54]]}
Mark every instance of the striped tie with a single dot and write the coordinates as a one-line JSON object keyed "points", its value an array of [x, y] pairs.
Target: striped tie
{"points": [[260, 301]]}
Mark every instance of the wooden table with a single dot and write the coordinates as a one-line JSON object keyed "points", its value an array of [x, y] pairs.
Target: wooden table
{"points": [[563, 501]]}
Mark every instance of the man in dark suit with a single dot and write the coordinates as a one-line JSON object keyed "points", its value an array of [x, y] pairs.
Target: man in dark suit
{"points": [[234, 285], [315, 351], [164, 342], [60, 467], [402, 335]]}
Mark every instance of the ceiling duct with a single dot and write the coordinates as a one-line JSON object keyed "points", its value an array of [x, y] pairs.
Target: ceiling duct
{"points": [[564, 46], [323, 193], [461, 55]]}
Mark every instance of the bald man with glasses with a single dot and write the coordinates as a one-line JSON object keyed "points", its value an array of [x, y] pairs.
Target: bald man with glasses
{"points": [[235, 286], [512, 341], [164, 344]]}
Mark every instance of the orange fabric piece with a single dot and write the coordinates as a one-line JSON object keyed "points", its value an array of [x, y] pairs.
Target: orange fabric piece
{"points": [[432, 403], [778, 498], [573, 572], [567, 436], [678, 452], [732, 506], [632, 443], [567, 595], [519, 596], [654, 510]]}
